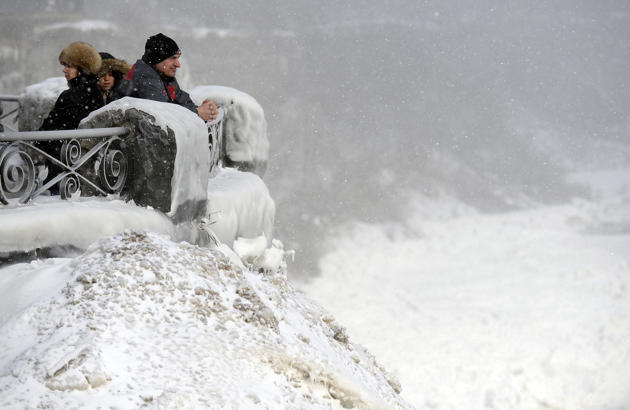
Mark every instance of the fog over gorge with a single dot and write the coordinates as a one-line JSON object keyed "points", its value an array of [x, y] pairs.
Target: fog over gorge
{"points": [[452, 175], [368, 101]]}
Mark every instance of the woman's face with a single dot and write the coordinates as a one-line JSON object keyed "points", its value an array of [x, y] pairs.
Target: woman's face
{"points": [[106, 82], [70, 71]]}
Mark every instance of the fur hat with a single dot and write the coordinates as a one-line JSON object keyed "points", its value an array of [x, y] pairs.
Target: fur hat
{"points": [[158, 48], [81, 55], [119, 68]]}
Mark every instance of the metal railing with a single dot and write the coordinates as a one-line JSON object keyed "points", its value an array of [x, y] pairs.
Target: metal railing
{"points": [[24, 165]]}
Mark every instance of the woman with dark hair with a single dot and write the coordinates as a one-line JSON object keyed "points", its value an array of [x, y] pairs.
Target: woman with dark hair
{"points": [[80, 63], [109, 76]]}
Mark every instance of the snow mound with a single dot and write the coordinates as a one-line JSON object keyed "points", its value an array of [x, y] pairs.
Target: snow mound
{"points": [[146, 322], [245, 129]]}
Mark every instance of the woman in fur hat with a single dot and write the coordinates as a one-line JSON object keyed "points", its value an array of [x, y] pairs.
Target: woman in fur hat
{"points": [[109, 76], [81, 62]]}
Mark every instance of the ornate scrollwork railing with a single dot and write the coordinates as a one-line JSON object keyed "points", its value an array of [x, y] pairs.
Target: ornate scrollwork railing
{"points": [[24, 165], [215, 139]]}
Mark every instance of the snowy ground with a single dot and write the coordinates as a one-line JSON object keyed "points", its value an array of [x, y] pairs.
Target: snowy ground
{"points": [[139, 321], [522, 310]]}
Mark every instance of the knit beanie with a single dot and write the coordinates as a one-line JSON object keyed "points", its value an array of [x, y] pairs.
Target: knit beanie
{"points": [[158, 48]]}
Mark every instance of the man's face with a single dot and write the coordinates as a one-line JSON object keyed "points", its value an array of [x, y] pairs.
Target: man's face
{"points": [[169, 66]]}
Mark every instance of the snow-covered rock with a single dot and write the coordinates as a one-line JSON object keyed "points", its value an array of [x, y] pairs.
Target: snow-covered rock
{"points": [[245, 129], [169, 155], [141, 321], [37, 100]]}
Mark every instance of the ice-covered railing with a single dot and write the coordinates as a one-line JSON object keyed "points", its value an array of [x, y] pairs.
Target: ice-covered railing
{"points": [[94, 161], [172, 177], [24, 166], [215, 139]]}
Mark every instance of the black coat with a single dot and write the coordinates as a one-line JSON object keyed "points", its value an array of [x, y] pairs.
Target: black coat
{"points": [[71, 107], [144, 81], [74, 104]]}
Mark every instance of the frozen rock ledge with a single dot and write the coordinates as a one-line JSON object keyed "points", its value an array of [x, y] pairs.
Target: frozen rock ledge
{"points": [[168, 190]]}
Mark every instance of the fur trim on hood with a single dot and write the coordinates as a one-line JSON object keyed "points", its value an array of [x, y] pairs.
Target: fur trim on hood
{"points": [[81, 55], [115, 66]]}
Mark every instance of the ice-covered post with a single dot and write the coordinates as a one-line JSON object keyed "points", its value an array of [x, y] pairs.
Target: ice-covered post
{"points": [[245, 144]]}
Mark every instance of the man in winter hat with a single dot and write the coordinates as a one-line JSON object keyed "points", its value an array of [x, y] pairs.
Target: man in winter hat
{"points": [[153, 77]]}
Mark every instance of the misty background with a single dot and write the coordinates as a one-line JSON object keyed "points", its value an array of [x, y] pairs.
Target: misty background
{"points": [[372, 104]]}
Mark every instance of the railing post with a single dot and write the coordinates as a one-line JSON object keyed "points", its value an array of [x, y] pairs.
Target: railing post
{"points": [[215, 139]]}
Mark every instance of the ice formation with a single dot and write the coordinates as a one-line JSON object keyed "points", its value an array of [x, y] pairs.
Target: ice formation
{"points": [[245, 136]]}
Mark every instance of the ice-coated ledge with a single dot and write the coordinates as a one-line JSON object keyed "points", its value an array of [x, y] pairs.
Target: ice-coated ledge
{"points": [[49, 222], [239, 205], [169, 186]]}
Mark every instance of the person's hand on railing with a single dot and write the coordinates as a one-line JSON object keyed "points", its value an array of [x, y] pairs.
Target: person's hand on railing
{"points": [[208, 110]]}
